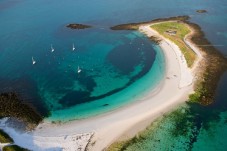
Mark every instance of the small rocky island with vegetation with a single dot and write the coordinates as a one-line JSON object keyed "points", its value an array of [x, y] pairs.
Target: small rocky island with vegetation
{"points": [[201, 11], [77, 26]]}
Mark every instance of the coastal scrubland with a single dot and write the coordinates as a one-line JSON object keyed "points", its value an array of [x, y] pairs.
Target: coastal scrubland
{"points": [[176, 31]]}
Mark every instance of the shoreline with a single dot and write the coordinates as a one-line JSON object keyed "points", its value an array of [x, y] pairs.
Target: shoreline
{"points": [[109, 127]]}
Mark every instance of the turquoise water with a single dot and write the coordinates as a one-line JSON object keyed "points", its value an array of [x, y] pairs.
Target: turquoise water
{"points": [[184, 130], [116, 100], [113, 68], [115, 64]]}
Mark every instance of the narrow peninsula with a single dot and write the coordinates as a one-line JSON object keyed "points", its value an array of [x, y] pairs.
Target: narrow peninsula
{"points": [[197, 57]]}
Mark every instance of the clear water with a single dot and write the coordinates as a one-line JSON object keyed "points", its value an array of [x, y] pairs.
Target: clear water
{"points": [[115, 64], [184, 130], [27, 29]]}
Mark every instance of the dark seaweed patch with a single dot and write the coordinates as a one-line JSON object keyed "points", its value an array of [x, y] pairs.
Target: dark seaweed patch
{"points": [[12, 106], [75, 97], [88, 82], [125, 58], [26, 90]]}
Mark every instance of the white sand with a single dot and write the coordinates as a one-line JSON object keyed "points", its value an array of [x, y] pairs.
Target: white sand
{"points": [[127, 121], [72, 142]]}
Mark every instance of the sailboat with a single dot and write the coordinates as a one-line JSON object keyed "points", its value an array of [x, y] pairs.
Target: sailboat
{"points": [[52, 49], [73, 47], [33, 61], [78, 70]]}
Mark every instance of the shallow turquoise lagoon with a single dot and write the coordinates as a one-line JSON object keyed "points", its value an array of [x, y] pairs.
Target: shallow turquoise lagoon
{"points": [[116, 66]]}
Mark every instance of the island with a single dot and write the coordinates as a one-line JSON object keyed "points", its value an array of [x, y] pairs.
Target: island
{"points": [[77, 26], [193, 68], [201, 11]]}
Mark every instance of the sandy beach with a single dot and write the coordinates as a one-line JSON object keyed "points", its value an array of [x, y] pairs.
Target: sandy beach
{"points": [[125, 122]]}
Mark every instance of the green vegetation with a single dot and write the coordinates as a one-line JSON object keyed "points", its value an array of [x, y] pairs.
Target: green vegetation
{"points": [[5, 138], [199, 94], [13, 148], [177, 130], [135, 26], [176, 31], [173, 125], [211, 68], [215, 63]]}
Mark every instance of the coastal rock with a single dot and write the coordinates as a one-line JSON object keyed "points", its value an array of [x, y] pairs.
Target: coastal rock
{"points": [[12, 106], [201, 11], [156, 40], [77, 26]]}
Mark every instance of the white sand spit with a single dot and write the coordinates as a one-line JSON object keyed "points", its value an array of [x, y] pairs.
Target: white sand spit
{"points": [[72, 142]]}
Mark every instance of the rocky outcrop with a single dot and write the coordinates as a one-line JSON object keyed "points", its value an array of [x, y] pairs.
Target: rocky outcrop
{"points": [[78, 26]]}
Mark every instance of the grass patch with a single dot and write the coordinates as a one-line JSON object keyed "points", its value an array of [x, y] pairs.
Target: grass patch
{"points": [[200, 94], [181, 30], [5, 138], [13, 148]]}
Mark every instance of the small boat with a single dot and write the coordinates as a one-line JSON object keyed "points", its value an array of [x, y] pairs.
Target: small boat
{"points": [[52, 49], [73, 47], [33, 61], [78, 70]]}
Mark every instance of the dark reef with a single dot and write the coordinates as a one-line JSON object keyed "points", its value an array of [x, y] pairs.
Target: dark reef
{"points": [[12, 106], [77, 26], [215, 64]]}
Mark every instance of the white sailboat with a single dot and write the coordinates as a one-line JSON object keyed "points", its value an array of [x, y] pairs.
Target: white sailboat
{"points": [[78, 70], [73, 47], [52, 49], [33, 61]]}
